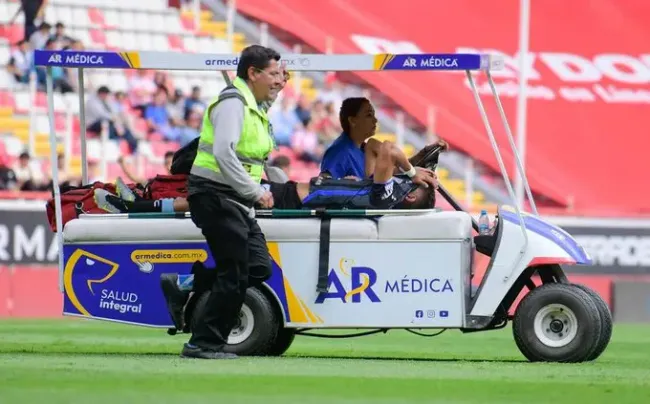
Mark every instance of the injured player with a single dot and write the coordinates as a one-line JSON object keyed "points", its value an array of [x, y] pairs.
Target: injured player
{"points": [[412, 188]]}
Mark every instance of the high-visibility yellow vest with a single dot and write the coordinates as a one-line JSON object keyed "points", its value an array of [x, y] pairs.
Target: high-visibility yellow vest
{"points": [[253, 148]]}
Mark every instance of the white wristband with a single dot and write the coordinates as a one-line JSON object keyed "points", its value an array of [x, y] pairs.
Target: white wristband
{"points": [[411, 173]]}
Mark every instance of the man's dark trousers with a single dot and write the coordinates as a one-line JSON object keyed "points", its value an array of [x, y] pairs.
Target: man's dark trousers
{"points": [[239, 249]]}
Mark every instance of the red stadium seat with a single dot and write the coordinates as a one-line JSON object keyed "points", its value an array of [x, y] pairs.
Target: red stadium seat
{"points": [[96, 17]]}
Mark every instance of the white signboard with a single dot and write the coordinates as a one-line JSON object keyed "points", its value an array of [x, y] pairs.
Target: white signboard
{"points": [[380, 284]]}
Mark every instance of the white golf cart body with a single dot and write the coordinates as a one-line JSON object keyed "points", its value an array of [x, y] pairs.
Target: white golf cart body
{"points": [[397, 269], [410, 271]]}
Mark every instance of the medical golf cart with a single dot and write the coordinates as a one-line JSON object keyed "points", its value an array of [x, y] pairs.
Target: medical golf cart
{"points": [[339, 269]]}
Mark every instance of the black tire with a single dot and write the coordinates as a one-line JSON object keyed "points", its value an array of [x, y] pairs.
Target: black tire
{"points": [[605, 319], [582, 309], [265, 324], [282, 342]]}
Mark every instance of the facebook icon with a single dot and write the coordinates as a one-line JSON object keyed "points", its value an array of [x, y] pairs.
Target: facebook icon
{"points": [[419, 314], [443, 313]]}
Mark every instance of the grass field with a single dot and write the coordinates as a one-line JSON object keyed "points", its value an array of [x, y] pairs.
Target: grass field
{"points": [[77, 361]]}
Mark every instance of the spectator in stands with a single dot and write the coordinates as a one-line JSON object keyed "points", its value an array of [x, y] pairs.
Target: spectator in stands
{"points": [[61, 40], [21, 62], [59, 76], [128, 172], [120, 105], [8, 180], [325, 121], [332, 93], [306, 145], [65, 177], [29, 175], [303, 110], [157, 116], [345, 156], [99, 109], [285, 122], [39, 39], [141, 89], [194, 101], [176, 108], [161, 79], [191, 129], [32, 9], [282, 162]]}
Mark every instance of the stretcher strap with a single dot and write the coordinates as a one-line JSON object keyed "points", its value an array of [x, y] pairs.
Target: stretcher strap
{"points": [[324, 251]]}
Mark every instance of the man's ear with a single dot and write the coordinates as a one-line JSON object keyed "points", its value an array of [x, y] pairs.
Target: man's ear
{"points": [[410, 197], [252, 73]]}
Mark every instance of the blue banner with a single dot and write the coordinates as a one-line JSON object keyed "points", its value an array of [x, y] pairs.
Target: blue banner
{"points": [[112, 60], [450, 61], [122, 282]]}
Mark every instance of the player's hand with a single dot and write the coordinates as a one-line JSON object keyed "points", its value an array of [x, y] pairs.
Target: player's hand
{"points": [[266, 201], [425, 178]]}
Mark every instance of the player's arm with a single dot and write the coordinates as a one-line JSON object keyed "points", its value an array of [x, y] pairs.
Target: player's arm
{"points": [[389, 158]]}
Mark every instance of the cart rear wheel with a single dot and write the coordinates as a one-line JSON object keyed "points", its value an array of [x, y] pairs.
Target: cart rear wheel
{"points": [[256, 328], [282, 342], [557, 323], [605, 319]]}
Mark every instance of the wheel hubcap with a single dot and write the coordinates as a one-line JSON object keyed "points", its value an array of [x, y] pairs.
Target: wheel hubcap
{"points": [[243, 327], [555, 325]]}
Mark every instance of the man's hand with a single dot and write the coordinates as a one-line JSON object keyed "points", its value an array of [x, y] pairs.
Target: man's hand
{"points": [[425, 178], [266, 201]]}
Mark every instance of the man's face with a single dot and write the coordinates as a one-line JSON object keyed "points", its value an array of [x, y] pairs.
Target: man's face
{"points": [[266, 81], [276, 91], [421, 198]]}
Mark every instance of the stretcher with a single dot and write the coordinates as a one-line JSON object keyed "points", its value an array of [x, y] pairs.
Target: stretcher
{"points": [[375, 270]]}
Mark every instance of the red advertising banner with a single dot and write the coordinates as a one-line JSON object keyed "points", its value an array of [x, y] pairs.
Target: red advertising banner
{"points": [[588, 89]]}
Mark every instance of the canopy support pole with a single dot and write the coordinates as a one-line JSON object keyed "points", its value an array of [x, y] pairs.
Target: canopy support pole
{"points": [[504, 172], [520, 165], [82, 128], [55, 172]]}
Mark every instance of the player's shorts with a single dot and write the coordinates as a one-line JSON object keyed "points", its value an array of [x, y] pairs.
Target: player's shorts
{"points": [[285, 195], [386, 196]]}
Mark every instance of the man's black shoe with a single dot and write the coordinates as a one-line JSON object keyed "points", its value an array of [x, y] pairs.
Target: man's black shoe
{"points": [[200, 353], [175, 298]]}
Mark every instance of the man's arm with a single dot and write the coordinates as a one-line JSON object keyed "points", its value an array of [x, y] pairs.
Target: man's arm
{"points": [[228, 120]]}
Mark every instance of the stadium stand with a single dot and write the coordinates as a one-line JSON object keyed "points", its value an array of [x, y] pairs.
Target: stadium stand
{"points": [[150, 25]]}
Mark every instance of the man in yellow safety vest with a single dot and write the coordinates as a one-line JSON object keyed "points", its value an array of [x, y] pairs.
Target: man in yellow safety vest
{"points": [[223, 187]]}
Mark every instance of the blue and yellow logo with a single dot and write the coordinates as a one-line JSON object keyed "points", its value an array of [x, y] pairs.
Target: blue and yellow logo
{"points": [[361, 281], [84, 261]]}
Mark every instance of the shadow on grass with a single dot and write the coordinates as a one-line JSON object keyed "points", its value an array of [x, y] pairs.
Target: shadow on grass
{"points": [[342, 357]]}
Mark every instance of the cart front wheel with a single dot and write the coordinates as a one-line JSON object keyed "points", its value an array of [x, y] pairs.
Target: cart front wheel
{"points": [[557, 323]]}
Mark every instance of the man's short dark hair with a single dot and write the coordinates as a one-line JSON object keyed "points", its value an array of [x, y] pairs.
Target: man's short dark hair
{"points": [[428, 201], [169, 154], [255, 56], [103, 90]]}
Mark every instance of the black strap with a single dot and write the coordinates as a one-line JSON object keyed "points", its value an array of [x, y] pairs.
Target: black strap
{"points": [[324, 250]]}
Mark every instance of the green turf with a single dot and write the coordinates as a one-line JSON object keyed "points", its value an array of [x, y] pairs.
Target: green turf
{"points": [[79, 361]]}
